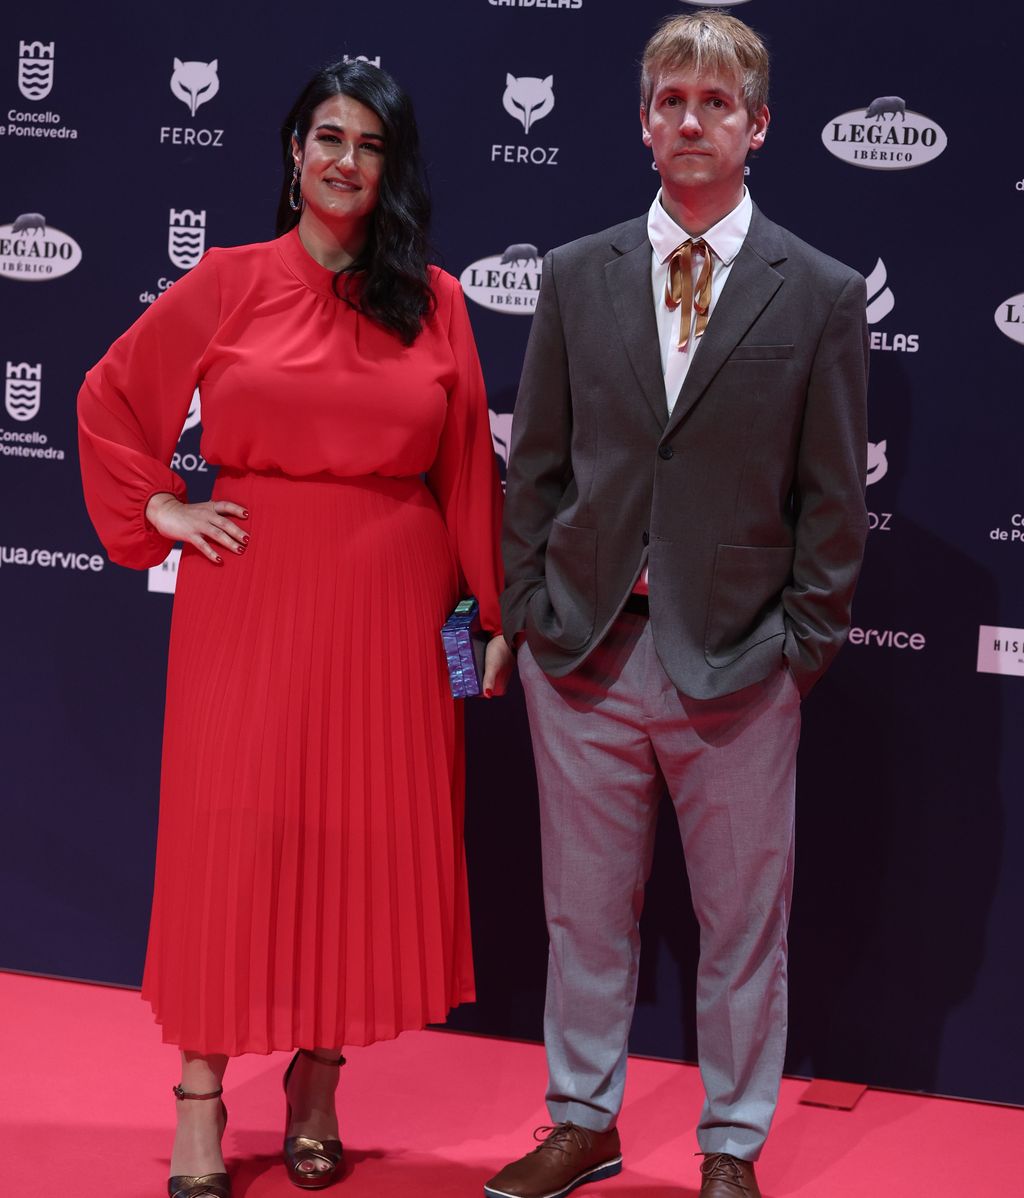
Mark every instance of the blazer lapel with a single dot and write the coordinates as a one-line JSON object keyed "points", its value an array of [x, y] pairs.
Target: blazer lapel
{"points": [[752, 282], [628, 277]]}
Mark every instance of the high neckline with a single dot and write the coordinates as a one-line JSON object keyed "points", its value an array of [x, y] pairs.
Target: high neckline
{"points": [[305, 267]]}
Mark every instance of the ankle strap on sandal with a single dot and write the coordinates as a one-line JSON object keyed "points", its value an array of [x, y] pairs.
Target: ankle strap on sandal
{"points": [[180, 1093], [308, 1052]]}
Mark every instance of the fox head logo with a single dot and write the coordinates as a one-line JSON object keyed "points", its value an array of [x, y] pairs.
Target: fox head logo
{"points": [[878, 463], [528, 99], [195, 82]]}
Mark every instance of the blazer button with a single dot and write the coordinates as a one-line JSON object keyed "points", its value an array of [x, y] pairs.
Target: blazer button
{"points": [[665, 452], [646, 538]]}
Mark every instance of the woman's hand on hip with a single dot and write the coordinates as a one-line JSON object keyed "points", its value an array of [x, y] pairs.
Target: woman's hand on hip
{"points": [[197, 523], [498, 666]]}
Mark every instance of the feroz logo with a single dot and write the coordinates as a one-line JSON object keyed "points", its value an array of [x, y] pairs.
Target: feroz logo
{"points": [[23, 390], [375, 61], [528, 99], [32, 252], [886, 136], [186, 237], [881, 300], [508, 282], [1000, 650], [878, 463], [35, 69], [194, 83], [1009, 317]]}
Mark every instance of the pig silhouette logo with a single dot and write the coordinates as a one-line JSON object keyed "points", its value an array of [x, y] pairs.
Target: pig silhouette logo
{"points": [[881, 300], [195, 83], [30, 222], [186, 237], [878, 464], [893, 106], [528, 99], [520, 255], [35, 69], [23, 390], [501, 433], [195, 413]]}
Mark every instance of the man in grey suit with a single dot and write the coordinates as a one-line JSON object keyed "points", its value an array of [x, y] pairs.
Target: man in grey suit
{"points": [[685, 523]]}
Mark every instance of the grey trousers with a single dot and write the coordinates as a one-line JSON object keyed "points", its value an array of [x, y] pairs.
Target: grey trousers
{"points": [[608, 739]]}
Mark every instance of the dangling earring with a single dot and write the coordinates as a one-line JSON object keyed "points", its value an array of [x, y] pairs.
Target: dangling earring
{"points": [[294, 195]]}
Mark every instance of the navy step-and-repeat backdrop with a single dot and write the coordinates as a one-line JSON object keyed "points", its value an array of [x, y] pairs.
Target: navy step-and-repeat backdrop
{"points": [[130, 140]]}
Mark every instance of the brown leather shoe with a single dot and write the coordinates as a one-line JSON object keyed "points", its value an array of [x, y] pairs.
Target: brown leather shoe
{"points": [[725, 1176], [568, 1156]]}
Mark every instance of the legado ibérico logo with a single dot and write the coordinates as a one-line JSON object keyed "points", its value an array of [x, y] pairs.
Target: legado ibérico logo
{"points": [[1009, 318], [33, 252], [885, 136], [508, 282]]}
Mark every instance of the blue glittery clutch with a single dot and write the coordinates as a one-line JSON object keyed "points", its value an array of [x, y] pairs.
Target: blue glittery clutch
{"points": [[464, 645]]}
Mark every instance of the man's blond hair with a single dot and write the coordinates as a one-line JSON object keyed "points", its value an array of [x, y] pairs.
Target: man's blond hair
{"points": [[707, 42]]}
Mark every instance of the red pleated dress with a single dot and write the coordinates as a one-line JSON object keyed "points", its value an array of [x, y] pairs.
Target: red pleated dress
{"points": [[310, 880]]}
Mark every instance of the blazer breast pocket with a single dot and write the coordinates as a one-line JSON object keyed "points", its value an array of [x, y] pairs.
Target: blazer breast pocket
{"points": [[760, 353]]}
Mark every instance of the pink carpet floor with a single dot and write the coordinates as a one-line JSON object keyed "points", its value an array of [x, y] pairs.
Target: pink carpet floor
{"points": [[86, 1112]]}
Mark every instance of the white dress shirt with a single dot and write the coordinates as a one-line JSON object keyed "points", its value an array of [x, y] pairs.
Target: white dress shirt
{"points": [[725, 239]]}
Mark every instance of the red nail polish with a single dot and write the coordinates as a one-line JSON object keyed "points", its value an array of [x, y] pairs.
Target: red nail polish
{"points": [[245, 539], [220, 560]]}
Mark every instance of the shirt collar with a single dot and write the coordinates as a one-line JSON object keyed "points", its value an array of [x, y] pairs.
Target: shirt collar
{"points": [[726, 238]]}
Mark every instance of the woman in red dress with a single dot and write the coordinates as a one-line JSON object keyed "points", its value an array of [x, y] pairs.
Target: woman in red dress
{"points": [[310, 883]]}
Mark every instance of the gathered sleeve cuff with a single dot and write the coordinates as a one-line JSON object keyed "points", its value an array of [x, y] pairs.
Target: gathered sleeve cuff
{"points": [[464, 477], [131, 409]]}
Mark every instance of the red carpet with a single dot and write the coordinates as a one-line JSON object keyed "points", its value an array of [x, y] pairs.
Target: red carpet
{"points": [[86, 1112]]}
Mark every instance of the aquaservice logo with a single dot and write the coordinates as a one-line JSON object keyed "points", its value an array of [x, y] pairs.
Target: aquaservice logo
{"points": [[884, 136]]}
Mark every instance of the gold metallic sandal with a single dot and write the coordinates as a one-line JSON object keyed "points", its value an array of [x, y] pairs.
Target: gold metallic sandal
{"points": [[300, 1149], [203, 1185]]}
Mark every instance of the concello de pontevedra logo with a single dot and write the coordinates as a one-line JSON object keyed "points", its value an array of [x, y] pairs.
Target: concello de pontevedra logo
{"points": [[186, 237], [885, 136], [23, 390], [35, 69]]}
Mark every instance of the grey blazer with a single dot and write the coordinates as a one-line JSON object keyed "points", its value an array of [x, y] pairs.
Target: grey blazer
{"points": [[748, 503]]}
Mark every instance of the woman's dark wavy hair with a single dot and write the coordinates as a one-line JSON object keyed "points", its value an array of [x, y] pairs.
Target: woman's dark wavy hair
{"points": [[395, 288]]}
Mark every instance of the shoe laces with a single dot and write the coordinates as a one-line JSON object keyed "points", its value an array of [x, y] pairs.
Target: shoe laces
{"points": [[563, 1137], [720, 1166]]}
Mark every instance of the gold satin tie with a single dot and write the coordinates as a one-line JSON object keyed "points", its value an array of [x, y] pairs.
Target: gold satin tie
{"points": [[679, 288]]}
